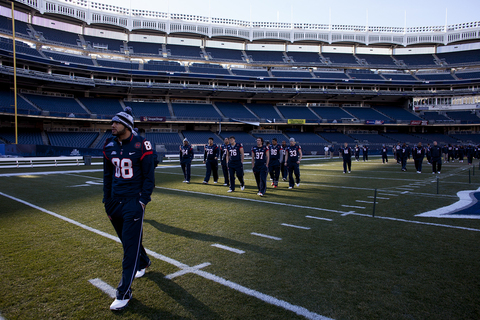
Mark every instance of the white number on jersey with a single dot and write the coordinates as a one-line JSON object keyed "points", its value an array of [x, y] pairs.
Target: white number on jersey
{"points": [[123, 168]]}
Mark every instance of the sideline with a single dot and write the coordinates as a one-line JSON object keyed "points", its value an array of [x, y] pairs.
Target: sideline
{"points": [[256, 294]]}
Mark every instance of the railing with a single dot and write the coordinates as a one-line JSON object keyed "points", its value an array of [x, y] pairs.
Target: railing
{"points": [[41, 162]]}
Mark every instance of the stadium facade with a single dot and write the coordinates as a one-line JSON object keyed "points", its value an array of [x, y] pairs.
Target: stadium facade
{"points": [[79, 62]]}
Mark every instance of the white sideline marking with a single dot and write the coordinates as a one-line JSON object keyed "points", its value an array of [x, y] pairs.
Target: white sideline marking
{"points": [[263, 297], [105, 287], [318, 218], [388, 194], [378, 198], [265, 236], [404, 188], [417, 222], [228, 248], [356, 207], [363, 201], [254, 200], [294, 226], [187, 270]]}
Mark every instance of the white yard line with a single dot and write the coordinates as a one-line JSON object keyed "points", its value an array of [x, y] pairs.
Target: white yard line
{"points": [[263, 297], [318, 218], [265, 236], [221, 246], [294, 226]]}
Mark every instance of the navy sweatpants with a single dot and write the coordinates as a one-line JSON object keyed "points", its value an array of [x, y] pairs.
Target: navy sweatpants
{"points": [[126, 215]]}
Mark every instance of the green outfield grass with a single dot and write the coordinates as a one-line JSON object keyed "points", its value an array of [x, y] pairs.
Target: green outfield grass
{"points": [[325, 255]]}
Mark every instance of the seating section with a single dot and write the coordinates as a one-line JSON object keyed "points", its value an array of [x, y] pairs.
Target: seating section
{"points": [[336, 137], [20, 47], [269, 137], [435, 76], [145, 48], [72, 139], [265, 56], [201, 137], [118, 64], [184, 51], [364, 75], [366, 114], [224, 54], [464, 57], [101, 142], [102, 106], [208, 69], [24, 136], [330, 75], [304, 74], [235, 111], [264, 111], [463, 116], [257, 73], [171, 140], [297, 113], [377, 59], [399, 77], [340, 58], [103, 43], [371, 138], [58, 36], [68, 58], [332, 113], [306, 138], [167, 66], [416, 59], [20, 26], [190, 111], [7, 104], [440, 138], [304, 57], [435, 116], [467, 75], [149, 109], [397, 113], [58, 106], [467, 138]]}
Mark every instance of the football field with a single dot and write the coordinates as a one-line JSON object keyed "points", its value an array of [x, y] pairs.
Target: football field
{"points": [[340, 246]]}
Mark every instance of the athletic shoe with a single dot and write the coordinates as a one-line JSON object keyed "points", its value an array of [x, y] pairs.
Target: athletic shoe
{"points": [[419, 171], [273, 183], [119, 304], [284, 179], [433, 172], [242, 188], [298, 184], [215, 181], [140, 273], [275, 186], [348, 171], [290, 187], [205, 182], [187, 181], [438, 172], [344, 172], [184, 181], [260, 194], [225, 184], [230, 190]]}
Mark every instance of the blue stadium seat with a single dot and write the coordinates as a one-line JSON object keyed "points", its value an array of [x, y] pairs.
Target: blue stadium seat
{"points": [[58, 36], [149, 109], [332, 113], [7, 104], [235, 111], [297, 113], [366, 114], [397, 113], [200, 137], [264, 111], [24, 136], [72, 139], [58, 106], [102, 106], [224, 54], [195, 111]]}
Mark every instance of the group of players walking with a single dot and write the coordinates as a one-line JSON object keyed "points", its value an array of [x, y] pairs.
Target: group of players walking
{"points": [[273, 159]]}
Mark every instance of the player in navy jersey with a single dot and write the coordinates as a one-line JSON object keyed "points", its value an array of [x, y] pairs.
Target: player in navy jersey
{"points": [[365, 153], [128, 182], [384, 151], [418, 154], [260, 159], [293, 156], [235, 157], [346, 152], [186, 157], [357, 152], [283, 167], [276, 156], [223, 155], [210, 159], [436, 158]]}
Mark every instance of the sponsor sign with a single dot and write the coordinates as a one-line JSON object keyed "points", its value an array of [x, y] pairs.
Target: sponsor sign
{"points": [[153, 119], [296, 121], [418, 122], [374, 122]]}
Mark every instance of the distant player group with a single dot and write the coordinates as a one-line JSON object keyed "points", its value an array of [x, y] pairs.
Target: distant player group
{"points": [[403, 152], [273, 159]]}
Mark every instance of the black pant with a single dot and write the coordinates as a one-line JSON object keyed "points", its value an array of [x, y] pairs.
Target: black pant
{"points": [[384, 158], [226, 180], [186, 168], [284, 170], [435, 163], [212, 168], [275, 173], [347, 164], [238, 169], [260, 173], [293, 167], [126, 215]]}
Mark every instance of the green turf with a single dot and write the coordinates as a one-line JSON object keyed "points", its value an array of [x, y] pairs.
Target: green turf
{"points": [[352, 267]]}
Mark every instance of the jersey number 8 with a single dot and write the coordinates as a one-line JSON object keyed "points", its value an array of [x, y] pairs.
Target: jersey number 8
{"points": [[123, 168]]}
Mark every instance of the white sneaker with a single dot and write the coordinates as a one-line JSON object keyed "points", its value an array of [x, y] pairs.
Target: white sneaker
{"points": [[438, 172], [297, 184], [419, 171], [215, 181], [225, 184], [242, 188], [119, 304], [230, 190], [290, 187], [348, 171], [184, 181], [260, 194], [205, 182], [140, 273]]}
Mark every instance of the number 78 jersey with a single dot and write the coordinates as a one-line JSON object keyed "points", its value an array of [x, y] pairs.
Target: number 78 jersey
{"points": [[128, 168]]}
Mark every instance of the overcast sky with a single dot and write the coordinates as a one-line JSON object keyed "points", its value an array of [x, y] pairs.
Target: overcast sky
{"points": [[350, 12]]}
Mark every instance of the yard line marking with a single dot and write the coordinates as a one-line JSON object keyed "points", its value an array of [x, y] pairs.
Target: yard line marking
{"points": [[265, 236], [105, 287], [228, 248], [416, 222], [294, 226], [378, 198], [318, 218], [232, 285], [388, 194], [268, 299], [253, 200], [404, 188], [187, 270], [356, 207], [363, 201]]}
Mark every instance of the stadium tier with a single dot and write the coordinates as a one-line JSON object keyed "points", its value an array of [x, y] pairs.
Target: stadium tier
{"points": [[397, 113], [366, 114], [201, 137], [25, 136], [224, 54], [193, 111], [7, 104], [264, 111], [58, 36], [68, 58], [235, 111], [265, 56], [435, 116], [102, 106], [149, 109], [297, 113], [208, 69], [72, 139], [336, 138], [332, 114], [60, 106]]}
